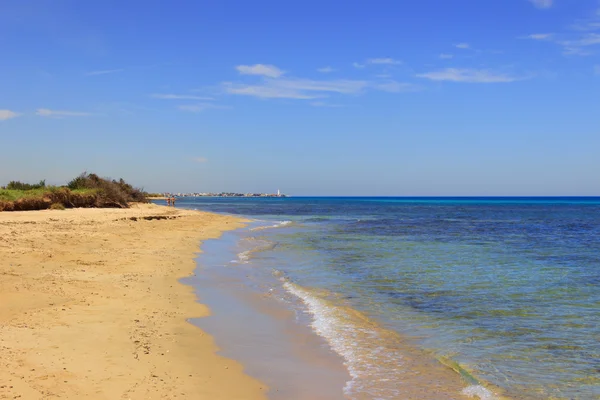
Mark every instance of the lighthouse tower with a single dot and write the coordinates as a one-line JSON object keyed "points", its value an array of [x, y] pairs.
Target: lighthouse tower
{"points": [[278, 193]]}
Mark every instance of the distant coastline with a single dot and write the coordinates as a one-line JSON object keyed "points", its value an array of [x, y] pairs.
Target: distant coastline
{"points": [[222, 194]]}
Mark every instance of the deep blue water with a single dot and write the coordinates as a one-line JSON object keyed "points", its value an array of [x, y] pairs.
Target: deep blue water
{"points": [[509, 288]]}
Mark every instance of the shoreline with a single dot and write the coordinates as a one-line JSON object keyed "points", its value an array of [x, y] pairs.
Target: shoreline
{"points": [[256, 326], [91, 306], [256, 295]]}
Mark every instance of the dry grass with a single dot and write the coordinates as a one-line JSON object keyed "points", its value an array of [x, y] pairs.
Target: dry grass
{"points": [[87, 190], [42, 199]]}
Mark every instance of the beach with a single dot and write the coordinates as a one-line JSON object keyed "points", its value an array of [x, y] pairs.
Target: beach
{"points": [[91, 307]]}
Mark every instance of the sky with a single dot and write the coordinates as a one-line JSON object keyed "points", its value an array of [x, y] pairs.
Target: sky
{"points": [[386, 97]]}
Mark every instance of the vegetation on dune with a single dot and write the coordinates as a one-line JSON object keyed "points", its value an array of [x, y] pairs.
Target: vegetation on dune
{"points": [[86, 190], [16, 185]]}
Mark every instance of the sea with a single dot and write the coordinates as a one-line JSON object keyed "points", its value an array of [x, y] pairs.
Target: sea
{"points": [[502, 293]]}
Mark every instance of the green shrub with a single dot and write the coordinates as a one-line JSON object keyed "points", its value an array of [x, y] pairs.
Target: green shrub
{"points": [[16, 185], [109, 191], [86, 190]]}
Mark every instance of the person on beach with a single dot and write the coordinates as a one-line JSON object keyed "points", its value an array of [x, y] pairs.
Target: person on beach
{"points": [[168, 201], [173, 201]]}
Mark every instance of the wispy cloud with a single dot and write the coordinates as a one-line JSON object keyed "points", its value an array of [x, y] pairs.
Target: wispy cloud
{"points": [[294, 88], [589, 39], [8, 114], [539, 36], [266, 91], [384, 61], [326, 70], [579, 46], [324, 104], [44, 112], [104, 72], [199, 107], [179, 97], [468, 76], [376, 61], [591, 23], [270, 71], [200, 159], [542, 3], [463, 46], [446, 56], [394, 86]]}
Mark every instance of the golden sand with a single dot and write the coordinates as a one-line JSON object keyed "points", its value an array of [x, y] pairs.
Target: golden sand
{"points": [[91, 307]]}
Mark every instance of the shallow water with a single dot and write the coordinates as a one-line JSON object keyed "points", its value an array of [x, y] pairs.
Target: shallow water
{"points": [[505, 291]]}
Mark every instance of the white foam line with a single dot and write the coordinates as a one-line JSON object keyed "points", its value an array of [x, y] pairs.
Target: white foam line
{"points": [[278, 225], [244, 256], [342, 336], [345, 338], [479, 391]]}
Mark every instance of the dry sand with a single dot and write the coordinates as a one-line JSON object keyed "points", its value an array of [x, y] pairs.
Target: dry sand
{"points": [[91, 307]]}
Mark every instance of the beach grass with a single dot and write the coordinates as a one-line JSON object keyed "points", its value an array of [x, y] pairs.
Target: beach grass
{"points": [[16, 194], [86, 190]]}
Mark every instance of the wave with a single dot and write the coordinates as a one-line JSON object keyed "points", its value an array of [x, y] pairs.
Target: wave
{"points": [[377, 368], [260, 245], [277, 225], [479, 391]]}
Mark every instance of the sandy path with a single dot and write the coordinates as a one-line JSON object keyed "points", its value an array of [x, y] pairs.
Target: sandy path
{"points": [[90, 307]]}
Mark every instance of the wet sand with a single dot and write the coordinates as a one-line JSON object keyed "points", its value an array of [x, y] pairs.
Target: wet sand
{"points": [[254, 327], [261, 324], [91, 307]]}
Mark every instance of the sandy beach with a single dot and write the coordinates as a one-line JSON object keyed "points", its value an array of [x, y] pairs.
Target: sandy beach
{"points": [[91, 307]]}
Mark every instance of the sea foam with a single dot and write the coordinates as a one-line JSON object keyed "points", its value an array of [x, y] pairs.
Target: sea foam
{"points": [[277, 225]]}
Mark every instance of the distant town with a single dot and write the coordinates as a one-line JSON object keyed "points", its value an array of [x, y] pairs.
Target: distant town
{"points": [[225, 194]]}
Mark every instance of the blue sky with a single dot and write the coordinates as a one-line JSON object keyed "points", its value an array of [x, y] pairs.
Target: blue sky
{"points": [[428, 97]]}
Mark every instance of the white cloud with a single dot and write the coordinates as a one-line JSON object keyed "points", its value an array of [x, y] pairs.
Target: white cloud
{"points": [[44, 112], [296, 88], [266, 92], [394, 86], [357, 65], [179, 97], [7, 114], [199, 107], [323, 104], [576, 47], [201, 159], [260, 69], [446, 56], [326, 70], [342, 86], [576, 51], [385, 61], [586, 40], [542, 3], [589, 24], [104, 72], [468, 76], [539, 36], [462, 46]]}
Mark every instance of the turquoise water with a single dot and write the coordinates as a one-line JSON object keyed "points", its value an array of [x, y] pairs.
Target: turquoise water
{"points": [[506, 288]]}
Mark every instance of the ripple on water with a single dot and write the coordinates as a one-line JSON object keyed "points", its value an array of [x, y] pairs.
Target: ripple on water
{"points": [[381, 364]]}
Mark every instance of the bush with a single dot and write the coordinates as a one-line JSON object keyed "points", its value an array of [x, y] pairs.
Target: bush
{"points": [[110, 192], [86, 190], [16, 185]]}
